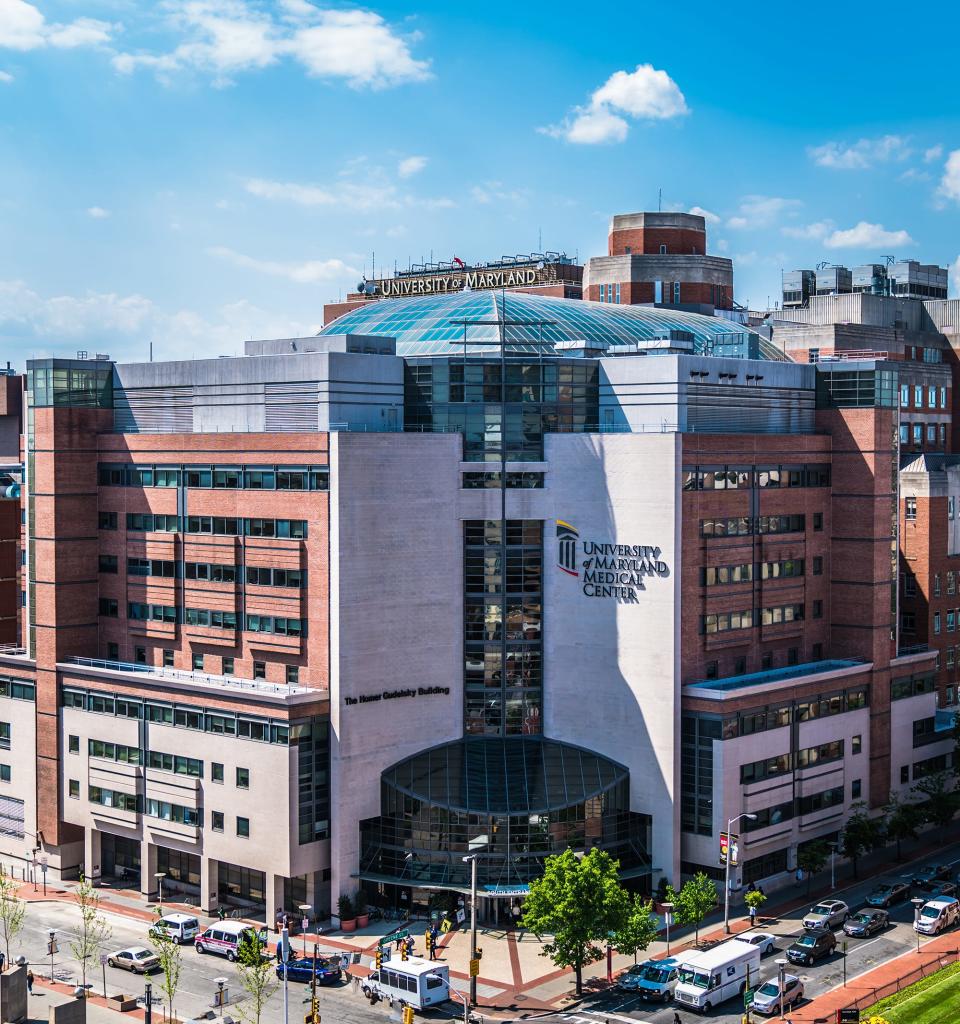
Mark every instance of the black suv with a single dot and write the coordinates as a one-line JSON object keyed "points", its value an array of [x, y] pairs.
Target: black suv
{"points": [[813, 946]]}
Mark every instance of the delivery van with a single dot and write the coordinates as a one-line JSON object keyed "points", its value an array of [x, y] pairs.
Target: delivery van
{"points": [[711, 977], [937, 915], [412, 982], [225, 937]]}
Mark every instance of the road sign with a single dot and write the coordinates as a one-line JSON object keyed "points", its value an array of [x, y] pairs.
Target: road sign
{"points": [[103, 959], [747, 998], [304, 924], [403, 933], [474, 968]]}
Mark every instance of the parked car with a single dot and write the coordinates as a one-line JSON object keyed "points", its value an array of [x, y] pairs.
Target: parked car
{"points": [[182, 928], [658, 979], [931, 873], [939, 890], [766, 999], [225, 938], [937, 915], [327, 969], [828, 914], [887, 893], [137, 959], [866, 922], [766, 942], [813, 946], [630, 978]]}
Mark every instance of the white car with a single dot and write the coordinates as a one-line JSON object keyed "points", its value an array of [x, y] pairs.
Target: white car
{"points": [[767, 997], [766, 942], [137, 959], [828, 914]]}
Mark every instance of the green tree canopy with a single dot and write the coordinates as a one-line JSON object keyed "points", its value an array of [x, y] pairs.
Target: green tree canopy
{"points": [[811, 858], [694, 901], [578, 902], [639, 928], [861, 834], [903, 820], [939, 803]]}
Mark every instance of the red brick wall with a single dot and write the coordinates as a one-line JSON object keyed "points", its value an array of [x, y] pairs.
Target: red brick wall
{"points": [[635, 292], [679, 241]]}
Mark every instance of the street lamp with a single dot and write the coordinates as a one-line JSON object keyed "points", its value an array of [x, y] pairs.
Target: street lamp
{"points": [[44, 860], [220, 983], [726, 873], [304, 909], [667, 920], [160, 876], [472, 860], [51, 949], [283, 955], [833, 853], [917, 904], [781, 969], [148, 1003]]}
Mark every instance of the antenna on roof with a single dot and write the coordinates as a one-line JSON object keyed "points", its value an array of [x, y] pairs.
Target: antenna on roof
{"points": [[539, 239], [659, 200]]}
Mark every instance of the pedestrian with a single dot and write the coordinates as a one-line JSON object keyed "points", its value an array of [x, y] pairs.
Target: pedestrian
{"points": [[29, 982], [753, 915], [751, 887], [221, 913], [676, 1018], [3, 962]]}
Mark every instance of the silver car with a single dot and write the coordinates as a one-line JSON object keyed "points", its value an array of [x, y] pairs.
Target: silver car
{"points": [[828, 914], [767, 997]]}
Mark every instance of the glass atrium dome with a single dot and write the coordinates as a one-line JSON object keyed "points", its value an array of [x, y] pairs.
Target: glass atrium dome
{"points": [[434, 325]]}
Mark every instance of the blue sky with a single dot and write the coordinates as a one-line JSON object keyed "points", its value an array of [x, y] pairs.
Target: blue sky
{"points": [[196, 172]]}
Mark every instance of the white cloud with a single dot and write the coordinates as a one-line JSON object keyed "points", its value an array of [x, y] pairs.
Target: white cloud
{"points": [[860, 155], [125, 325], [495, 191], [950, 183], [867, 236], [932, 153], [710, 218], [23, 27], [644, 94], [411, 165], [374, 193], [304, 195], [761, 211], [6, 77], [812, 232], [97, 212], [306, 272], [226, 37]]}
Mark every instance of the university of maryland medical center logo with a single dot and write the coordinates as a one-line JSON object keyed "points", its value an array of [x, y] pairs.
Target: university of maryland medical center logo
{"points": [[567, 548]]}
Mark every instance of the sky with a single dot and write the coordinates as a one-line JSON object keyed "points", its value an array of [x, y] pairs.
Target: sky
{"points": [[193, 173]]}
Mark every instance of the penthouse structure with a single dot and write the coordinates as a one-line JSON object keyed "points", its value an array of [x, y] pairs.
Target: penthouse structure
{"points": [[472, 572]]}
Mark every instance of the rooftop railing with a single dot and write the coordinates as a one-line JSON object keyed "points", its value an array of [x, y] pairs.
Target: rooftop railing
{"points": [[194, 678]]}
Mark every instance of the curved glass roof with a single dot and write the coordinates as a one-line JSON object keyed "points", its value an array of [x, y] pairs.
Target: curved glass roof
{"points": [[433, 325], [504, 775]]}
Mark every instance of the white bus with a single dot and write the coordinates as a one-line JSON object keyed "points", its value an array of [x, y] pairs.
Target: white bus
{"points": [[412, 982], [709, 978]]}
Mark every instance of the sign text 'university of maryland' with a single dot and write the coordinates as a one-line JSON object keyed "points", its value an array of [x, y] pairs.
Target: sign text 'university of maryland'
{"points": [[605, 569]]}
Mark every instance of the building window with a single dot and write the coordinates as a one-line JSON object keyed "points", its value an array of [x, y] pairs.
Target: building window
{"points": [[243, 828], [908, 622], [912, 589], [950, 656], [904, 433], [910, 585], [943, 433], [108, 563], [739, 666], [910, 506], [793, 656], [293, 674], [663, 249], [951, 508], [108, 607], [856, 744], [943, 398], [73, 789], [107, 520], [904, 773], [676, 292], [140, 655], [918, 395], [818, 609], [931, 433], [904, 396], [855, 789], [816, 652], [617, 299], [228, 666], [951, 582], [932, 397], [936, 622], [817, 565], [198, 662], [713, 669], [113, 652], [216, 821], [603, 293], [216, 772], [818, 520], [951, 620], [918, 434], [243, 778], [259, 670], [73, 744], [766, 661]]}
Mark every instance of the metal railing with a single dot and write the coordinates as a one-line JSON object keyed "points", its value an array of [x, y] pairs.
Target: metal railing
{"points": [[12, 651], [876, 994], [194, 678]]}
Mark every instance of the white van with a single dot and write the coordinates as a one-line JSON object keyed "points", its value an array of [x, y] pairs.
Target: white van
{"points": [[412, 982], [937, 915], [182, 928], [709, 978], [658, 979], [225, 937]]}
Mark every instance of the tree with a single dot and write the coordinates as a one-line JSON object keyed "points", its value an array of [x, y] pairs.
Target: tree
{"points": [[941, 803], [169, 953], [694, 901], [13, 913], [811, 858], [754, 899], [93, 932], [578, 901], [903, 819], [639, 928], [257, 976], [861, 834]]}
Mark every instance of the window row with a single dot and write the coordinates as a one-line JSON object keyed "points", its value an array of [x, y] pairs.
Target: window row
{"points": [[138, 611], [933, 393], [471, 481], [800, 806], [746, 526], [723, 622], [914, 433], [174, 812], [218, 526], [718, 575], [222, 723], [253, 478], [111, 798], [727, 478], [784, 763], [912, 686]]}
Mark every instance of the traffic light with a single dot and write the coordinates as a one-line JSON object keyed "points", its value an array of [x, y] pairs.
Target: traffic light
{"points": [[407, 1015], [378, 958], [403, 951]]}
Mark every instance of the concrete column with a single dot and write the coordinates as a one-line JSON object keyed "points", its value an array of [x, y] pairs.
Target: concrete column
{"points": [[273, 895], [92, 868], [312, 890], [209, 884], [148, 869]]}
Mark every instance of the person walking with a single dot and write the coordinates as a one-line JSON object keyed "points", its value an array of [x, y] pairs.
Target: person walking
{"points": [[29, 982], [676, 1018], [753, 915]]}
